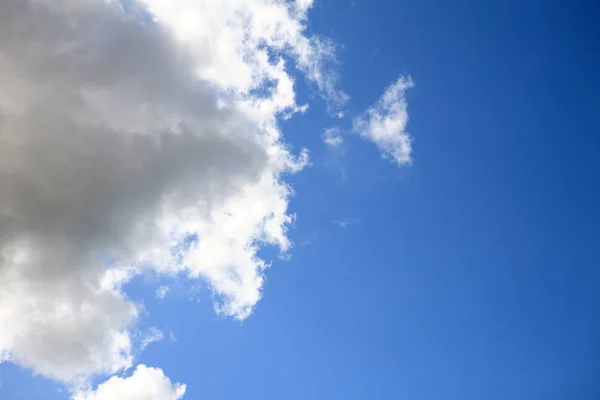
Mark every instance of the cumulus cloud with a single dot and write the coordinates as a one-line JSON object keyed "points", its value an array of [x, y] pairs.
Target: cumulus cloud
{"points": [[332, 137], [384, 123], [242, 37], [136, 140], [144, 384]]}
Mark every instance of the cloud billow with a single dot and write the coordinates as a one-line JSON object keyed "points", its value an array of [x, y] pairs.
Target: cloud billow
{"points": [[112, 141]]}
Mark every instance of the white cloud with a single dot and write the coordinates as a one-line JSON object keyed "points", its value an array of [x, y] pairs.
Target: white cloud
{"points": [[385, 122], [162, 291], [153, 335], [346, 222], [332, 137], [144, 384], [240, 37], [121, 140]]}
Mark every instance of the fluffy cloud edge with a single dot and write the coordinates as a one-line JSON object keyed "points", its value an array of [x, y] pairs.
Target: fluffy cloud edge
{"points": [[145, 383]]}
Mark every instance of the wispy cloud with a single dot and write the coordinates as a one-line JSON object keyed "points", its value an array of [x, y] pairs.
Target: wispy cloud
{"points": [[333, 137], [162, 291], [346, 222], [384, 123], [151, 336]]}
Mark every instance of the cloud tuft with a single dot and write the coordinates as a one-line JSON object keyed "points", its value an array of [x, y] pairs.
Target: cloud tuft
{"points": [[332, 137], [384, 123]]}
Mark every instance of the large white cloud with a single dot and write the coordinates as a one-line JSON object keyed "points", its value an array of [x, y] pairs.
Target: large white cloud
{"points": [[124, 134], [144, 384], [384, 123]]}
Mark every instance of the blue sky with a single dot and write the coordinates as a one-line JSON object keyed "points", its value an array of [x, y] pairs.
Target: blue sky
{"points": [[471, 273]]}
